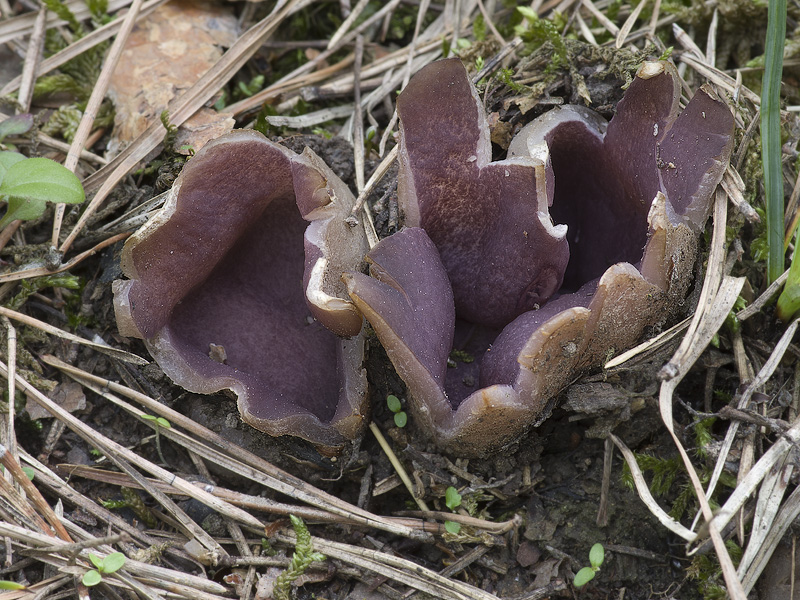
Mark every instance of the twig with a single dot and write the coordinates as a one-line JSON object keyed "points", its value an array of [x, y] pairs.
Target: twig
{"points": [[10, 463], [257, 468], [47, 328], [398, 467]]}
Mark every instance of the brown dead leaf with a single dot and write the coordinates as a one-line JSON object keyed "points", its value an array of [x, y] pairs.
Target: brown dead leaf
{"points": [[69, 396], [164, 56]]}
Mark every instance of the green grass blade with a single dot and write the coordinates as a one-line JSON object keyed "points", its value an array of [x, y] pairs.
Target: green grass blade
{"points": [[771, 135]]}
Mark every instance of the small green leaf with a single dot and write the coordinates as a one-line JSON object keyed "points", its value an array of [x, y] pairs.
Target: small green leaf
{"points": [[16, 125], [91, 578], [29, 184], [452, 527], [10, 585], [584, 576], [29, 472], [97, 561], [7, 159], [596, 555], [452, 498], [789, 300], [42, 179], [113, 562], [401, 419], [149, 417], [163, 422], [393, 402]]}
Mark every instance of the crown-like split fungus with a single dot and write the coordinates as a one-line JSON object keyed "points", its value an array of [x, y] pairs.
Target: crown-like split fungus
{"points": [[483, 267], [225, 282]]}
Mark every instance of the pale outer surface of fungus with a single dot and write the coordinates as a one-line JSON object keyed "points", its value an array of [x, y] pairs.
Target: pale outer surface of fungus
{"points": [[627, 200], [224, 281]]}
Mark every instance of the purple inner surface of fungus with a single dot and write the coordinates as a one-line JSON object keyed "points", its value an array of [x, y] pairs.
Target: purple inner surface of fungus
{"points": [[253, 305], [626, 195], [219, 291], [501, 252]]}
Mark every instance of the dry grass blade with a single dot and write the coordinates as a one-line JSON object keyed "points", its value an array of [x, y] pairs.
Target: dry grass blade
{"points": [[312, 118], [786, 516], [21, 26], [300, 76], [687, 42], [719, 78], [180, 109], [32, 58], [709, 323], [214, 457], [769, 502], [49, 142], [585, 31], [711, 42], [13, 467], [40, 270], [776, 452], [124, 458], [628, 24], [761, 378], [764, 299], [8, 434], [100, 346], [716, 301], [15, 503], [66, 493], [397, 569], [250, 502], [649, 346], [602, 18], [61, 554], [644, 493], [348, 22], [379, 173], [93, 104], [267, 474]]}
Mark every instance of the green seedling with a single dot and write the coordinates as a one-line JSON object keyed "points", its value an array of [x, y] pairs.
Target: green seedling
{"points": [[789, 300], [596, 556], [453, 500], [28, 184], [11, 585], [400, 416], [16, 125], [302, 558], [29, 472], [103, 566], [536, 31], [134, 502], [158, 423]]}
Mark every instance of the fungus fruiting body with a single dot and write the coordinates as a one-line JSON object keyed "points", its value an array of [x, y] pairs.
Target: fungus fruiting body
{"points": [[225, 282], [484, 264]]}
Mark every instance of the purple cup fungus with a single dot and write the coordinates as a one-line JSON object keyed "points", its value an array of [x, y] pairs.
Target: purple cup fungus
{"points": [[483, 269], [225, 278]]}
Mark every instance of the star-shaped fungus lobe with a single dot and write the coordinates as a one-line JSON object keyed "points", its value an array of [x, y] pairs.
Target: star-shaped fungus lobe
{"points": [[217, 288], [632, 195]]}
